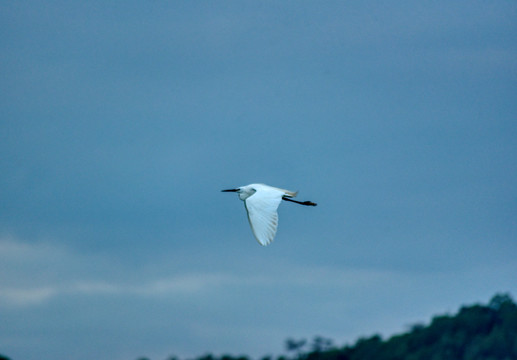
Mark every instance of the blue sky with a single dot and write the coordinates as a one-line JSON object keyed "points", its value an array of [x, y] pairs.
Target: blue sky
{"points": [[121, 122]]}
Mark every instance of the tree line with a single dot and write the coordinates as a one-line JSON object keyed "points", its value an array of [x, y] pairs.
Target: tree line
{"points": [[475, 332]]}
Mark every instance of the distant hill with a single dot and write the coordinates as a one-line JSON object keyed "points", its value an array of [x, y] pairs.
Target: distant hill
{"points": [[475, 332]]}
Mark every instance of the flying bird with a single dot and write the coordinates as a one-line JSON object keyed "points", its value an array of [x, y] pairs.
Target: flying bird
{"points": [[261, 202]]}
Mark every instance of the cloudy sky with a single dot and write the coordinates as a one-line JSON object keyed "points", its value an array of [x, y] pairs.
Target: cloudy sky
{"points": [[120, 123]]}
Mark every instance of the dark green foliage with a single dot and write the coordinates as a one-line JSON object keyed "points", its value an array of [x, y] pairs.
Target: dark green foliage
{"points": [[295, 346], [476, 332], [222, 357], [320, 344]]}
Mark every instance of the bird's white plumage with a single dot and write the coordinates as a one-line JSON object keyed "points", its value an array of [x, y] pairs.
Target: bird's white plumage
{"points": [[262, 213], [261, 202]]}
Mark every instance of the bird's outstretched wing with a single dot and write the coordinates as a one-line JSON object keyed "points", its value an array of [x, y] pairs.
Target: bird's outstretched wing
{"points": [[262, 215]]}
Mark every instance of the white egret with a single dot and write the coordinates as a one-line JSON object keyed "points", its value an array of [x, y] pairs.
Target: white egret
{"points": [[261, 202]]}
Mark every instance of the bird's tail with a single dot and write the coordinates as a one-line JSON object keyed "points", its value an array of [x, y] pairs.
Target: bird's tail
{"points": [[291, 193]]}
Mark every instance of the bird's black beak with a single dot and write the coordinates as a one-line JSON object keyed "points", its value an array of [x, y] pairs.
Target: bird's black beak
{"points": [[230, 190]]}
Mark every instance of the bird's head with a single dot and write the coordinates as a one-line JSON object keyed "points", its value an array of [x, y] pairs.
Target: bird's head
{"points": [[243, 191]]}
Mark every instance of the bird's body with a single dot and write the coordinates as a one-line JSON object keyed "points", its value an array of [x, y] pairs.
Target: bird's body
{"points": [[261, 202]]}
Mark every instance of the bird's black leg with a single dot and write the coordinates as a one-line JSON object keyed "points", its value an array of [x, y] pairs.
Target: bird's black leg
{"points": [[307, 203]]}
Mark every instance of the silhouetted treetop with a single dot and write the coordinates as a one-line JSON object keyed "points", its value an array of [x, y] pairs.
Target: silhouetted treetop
{"points": [[475, 332]]}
